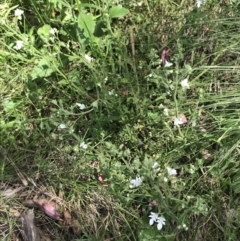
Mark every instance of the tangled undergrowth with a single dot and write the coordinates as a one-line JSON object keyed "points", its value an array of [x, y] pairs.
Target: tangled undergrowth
{"points": [[119, 120]]}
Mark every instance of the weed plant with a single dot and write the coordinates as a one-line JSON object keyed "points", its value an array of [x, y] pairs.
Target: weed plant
{"points": [[139, 145]]}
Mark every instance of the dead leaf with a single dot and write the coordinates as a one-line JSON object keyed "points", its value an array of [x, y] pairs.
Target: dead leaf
{"points": [[10, 192], [67, 217], [153, 203], [14, 213], [76, 227]]}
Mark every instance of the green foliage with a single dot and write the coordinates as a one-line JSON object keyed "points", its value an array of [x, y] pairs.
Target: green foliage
{"points": [[88, 106], [118, 12]]}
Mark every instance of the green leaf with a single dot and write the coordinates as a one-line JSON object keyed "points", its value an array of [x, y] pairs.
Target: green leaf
{"points": [[236, 183], [54, 102], [10, 124], [86, 23], [44, 32], [152, 234], [101, 29], [63, 82], [118, 12], [59, 4], [154, 116], [95, 104], [8, 105], [41, 70]]}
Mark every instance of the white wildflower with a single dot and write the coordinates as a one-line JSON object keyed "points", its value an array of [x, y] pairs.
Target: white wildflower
{"points": [[171, 171], [136, 182], [165, 111], [155, 165], [88, 58], [18, 13], [172, 87], [167, 64], [81, 106], [62, 126], [19, 45], [178, 121], [155, 218], [160, 222], [111, 92], [184, 84], [53, 31], [200, 2], [67, 44], [83, 145]]}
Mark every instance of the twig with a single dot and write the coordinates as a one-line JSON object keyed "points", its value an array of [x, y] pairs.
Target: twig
{"points": [[29, 229]]}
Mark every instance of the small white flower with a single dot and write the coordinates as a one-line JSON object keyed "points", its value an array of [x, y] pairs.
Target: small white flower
{"points": [[161, 221], [167, 64], [165, 111], [184, 84], [150, 75], [178, 121], [62, 126], [19, 45], [111, 92], [88, 58], [153, 218], [18, 13], [81, 106], [172, 87], [136, 182], [199, 3], [53, 31], [171, 171], [155, 165], [67, 44], [83, 145]]}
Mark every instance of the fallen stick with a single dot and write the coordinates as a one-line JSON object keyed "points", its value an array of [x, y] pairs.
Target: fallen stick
{"points": [[29, 230]]}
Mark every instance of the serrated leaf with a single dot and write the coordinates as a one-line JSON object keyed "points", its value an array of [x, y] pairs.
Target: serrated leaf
{"points": [[86, 23], [118, 12]]}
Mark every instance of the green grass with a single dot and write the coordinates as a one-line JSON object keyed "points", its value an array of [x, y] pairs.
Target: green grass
{"points": [[124, 89]]}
